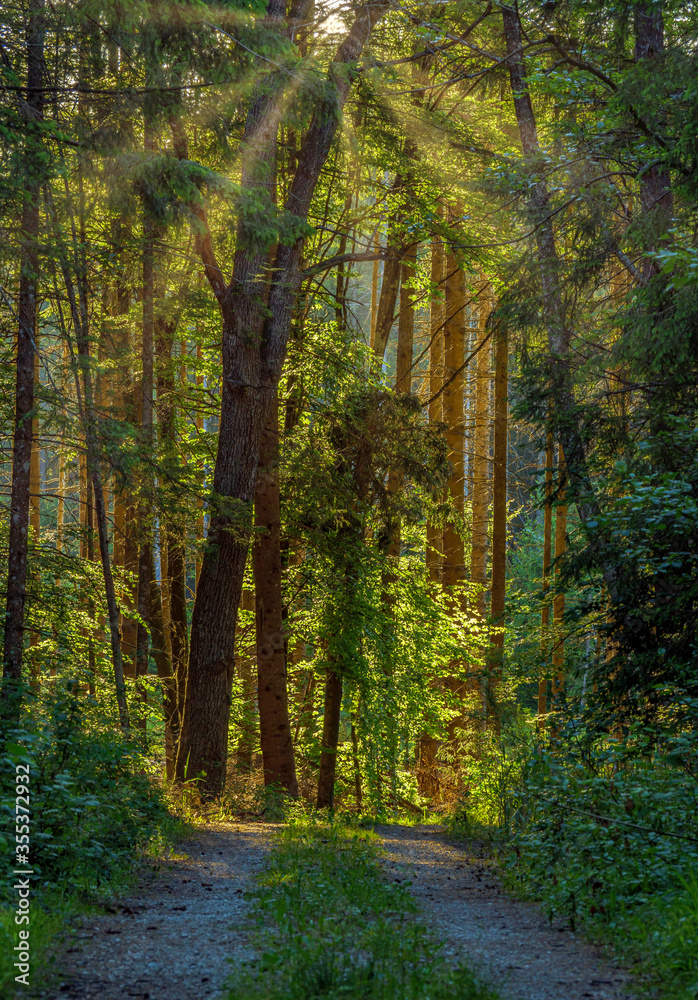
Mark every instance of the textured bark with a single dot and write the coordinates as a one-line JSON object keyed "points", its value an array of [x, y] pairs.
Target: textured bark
{"points": [[200, 523], [455, 332], [403, 378], [162, 654], [434, 550], [35, 495], [330, 740], [254, 341], [547, 558], [24, 378], [374, 295], [146, 407], [35, 470], [480, 457], [559, 599], [499, 512], [174, 567], [454, 356], [275, 729], [481, 487]]}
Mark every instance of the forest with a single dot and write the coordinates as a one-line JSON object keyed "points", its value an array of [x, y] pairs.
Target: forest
{"points": [[349, 477]]}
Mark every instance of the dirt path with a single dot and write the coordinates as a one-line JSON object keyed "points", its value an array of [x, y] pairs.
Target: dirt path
{"points": [[509, 942], [174, 938]]}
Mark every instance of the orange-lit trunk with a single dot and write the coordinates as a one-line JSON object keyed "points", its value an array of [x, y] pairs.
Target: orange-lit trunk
{"points": [[455, 332], [547, 558], [559, 599]]}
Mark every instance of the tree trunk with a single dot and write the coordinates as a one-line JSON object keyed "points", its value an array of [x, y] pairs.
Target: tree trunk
{"points": [[272, 694], [559, 599], [173, 531], [454, 354], [434, 552], [553, 307], [480, 469], [403, 378], [255, 335], [547, 558], [162, 654], [499, 515], [330, 740], [24, 379]]}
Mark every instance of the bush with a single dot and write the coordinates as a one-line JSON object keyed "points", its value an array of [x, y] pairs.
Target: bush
{"points": [[93, 807]]}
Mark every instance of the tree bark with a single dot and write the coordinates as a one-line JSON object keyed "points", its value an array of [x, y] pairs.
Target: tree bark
{"points": [[455, 332], [480, 471], [547, 558], [559, 599], [254, 341], [558, 331], [173, 531], [499, 516], [434, 552], [275, 729], [15, 605]]}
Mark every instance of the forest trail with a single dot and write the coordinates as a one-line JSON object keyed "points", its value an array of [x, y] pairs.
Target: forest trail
{"points": [[173, 939], [510, 943]]}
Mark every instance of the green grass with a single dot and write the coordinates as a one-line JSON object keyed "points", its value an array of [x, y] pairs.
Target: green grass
{"points": [[331, 926]]}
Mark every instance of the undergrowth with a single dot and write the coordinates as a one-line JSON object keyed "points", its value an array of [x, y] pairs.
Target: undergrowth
{"points": [[332, 927], [600, 830], [95, 809]]}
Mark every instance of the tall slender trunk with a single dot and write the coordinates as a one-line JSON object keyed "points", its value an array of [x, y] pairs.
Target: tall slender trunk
{"points": [[35, 495], [434, 551], [499, 516], [272, 694], [162, 654], [256, 328], [200, 525], [547, 558], [403, 377], [33, 106], [558, 330], [454, 355], [146, 407], [559, 599], [479, 462], [173, 535]]}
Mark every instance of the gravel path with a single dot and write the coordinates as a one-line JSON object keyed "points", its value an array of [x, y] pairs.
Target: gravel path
{"points": [[510, 943], [174, 938]]}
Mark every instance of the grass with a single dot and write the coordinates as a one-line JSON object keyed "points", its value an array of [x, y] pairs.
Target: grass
{"points": [[331, 926]]}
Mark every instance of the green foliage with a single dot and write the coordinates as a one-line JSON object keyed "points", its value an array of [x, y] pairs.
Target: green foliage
{"points": [[94, 809], [334, 927], [603, 834], [93, 805]]}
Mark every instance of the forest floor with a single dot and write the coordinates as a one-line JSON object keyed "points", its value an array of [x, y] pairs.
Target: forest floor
{"points": [[174, 938], [509, 943], [176, 935]]}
